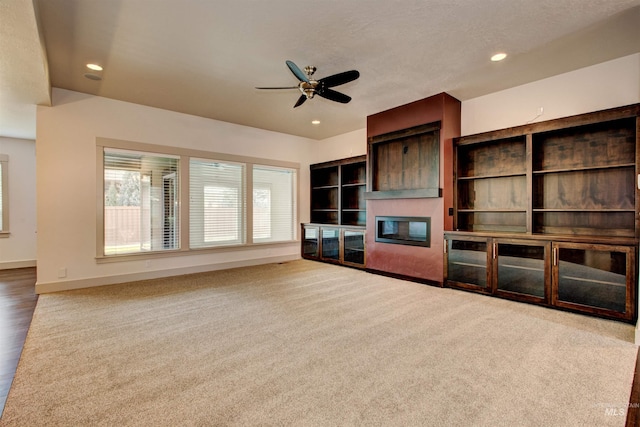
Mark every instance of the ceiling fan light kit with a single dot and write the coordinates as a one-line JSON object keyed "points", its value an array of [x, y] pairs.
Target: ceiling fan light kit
{"points": [[311, 87]]}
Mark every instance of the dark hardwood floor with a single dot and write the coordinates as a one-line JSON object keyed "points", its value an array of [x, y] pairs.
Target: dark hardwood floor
{"points": [[17, 302]]}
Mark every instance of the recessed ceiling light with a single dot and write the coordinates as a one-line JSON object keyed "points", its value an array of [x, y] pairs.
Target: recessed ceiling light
{"points": [[94, 67], [315, 122], [498, 57]]}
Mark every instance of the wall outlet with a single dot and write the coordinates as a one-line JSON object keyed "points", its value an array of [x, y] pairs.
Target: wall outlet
{"points": [[62, 272]]}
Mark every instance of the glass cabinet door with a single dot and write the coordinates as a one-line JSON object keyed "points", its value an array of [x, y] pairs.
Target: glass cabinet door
{"points": [[354, 247], [467, 263], [330, 243], [596, 278], [310, 243], [520, 269]]}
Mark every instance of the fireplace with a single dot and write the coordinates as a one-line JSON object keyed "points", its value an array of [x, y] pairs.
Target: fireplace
{"points": [[417, 252], [404, 230]]}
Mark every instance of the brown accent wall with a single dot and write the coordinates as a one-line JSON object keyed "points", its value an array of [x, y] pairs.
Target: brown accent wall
{"points": [[421, 263]]}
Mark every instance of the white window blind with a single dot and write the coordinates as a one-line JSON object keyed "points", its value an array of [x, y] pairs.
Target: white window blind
{"points": [[274, 204], [140, 202], [217, 208]]}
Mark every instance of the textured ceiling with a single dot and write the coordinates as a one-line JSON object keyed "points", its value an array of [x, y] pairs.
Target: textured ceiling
{"points": [[206, 57]]}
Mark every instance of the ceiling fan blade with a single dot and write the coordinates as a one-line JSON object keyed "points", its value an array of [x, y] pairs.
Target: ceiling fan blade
{"points": [[297, 72], [300, 101], [340, 78], [284, 87], [334, 95]]}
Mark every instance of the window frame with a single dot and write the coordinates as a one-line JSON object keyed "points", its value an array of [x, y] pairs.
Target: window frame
{"points": [[150, 169], [269, 185], [241, 213], [4, 170], [186, 155]]}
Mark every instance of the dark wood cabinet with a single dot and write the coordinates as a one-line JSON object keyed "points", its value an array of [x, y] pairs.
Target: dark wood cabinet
{"points": [[338, 212], [353, 183], [594, 278], [521, 269], [491, 186], [337, 192], [584, 179], [468, 262], [310, 241], [331, 243], [554, 206]]}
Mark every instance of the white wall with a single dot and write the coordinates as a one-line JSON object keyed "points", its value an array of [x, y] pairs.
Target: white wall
{"points": [[340, 147], [66, 160], [19, 249], [610, 84], [67, 195]]}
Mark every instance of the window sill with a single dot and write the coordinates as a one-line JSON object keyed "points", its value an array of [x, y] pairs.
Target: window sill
{"points": [[4, 234], [104, 259]]}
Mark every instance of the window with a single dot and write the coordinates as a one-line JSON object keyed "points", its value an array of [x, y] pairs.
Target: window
{"points": [[141, 195], [216, 203], [274, 204], [4, 194], [157, 199]]}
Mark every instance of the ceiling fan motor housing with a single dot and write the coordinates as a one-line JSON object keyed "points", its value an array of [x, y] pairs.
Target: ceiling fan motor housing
{"points": [[308, 88]]}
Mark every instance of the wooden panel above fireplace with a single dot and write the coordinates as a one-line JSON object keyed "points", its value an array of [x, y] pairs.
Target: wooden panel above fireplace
{"points": [[405, 163]]}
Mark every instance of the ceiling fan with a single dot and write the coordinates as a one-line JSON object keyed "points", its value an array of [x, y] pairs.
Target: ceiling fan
{"points": [[310, 87]]}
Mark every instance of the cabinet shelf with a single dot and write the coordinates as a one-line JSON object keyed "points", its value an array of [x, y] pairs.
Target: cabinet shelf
{"points": [[504, 175], [337, 192], [324, 187], [520, 267], [585, 168], [584, 210], [490, 210]]}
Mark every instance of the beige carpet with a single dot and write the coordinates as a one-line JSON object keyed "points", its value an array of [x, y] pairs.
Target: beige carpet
{"points": [[310, 344]]}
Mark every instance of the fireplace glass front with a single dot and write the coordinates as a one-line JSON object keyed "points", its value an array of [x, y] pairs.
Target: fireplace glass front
{"points": [[415, 231]]}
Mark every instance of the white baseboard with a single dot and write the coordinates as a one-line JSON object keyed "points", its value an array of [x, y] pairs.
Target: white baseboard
{"points": [[9, 265], [42, 288]]}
